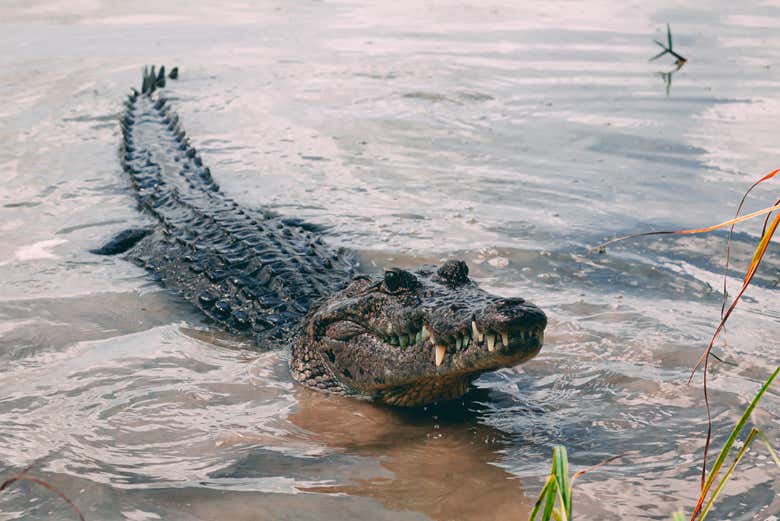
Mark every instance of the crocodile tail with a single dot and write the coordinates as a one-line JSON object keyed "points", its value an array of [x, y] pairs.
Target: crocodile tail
{"points": [[155, 79], [244, 268]]}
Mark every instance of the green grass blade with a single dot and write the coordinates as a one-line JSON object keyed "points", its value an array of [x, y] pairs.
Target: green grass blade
{"points": [[769, 447], [561, 471], [727, 475], [665, 51], [563, 514], [542, 496], [678, 516], [549, 503], [738, 428], [730, 442]]}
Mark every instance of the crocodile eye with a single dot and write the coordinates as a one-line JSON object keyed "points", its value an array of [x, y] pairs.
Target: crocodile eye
{"points": [[397, 279], [391, 280]]}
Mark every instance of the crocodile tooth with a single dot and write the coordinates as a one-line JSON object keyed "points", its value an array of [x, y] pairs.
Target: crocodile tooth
{"points": [[541, 336], [418, 337], [425, 333], [403, 340], [466, 340], [475, 330], [458, 342], [491, 341], [505, 337], [439, 352], [433, 340]]}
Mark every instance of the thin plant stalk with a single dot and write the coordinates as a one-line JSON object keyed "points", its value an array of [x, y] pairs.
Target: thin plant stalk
{"points": [[766, 236], [768, 176], [23, 476], [705, 359], [736, 220]]}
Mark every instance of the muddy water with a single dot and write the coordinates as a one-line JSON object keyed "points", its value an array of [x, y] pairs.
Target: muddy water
{"points": [[513, 137]]}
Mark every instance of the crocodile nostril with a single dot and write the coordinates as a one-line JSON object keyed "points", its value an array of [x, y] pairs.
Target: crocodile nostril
{"points": [[454, 272]]}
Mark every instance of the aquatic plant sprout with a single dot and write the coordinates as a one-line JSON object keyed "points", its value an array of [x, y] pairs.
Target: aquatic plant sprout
{"points": [[667, 49], [556, 494], [555, 499], [557, 490], [700, 512], [710, 487]]}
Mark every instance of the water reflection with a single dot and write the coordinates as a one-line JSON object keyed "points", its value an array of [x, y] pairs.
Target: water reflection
{"points": [[667, 79], [442, 460]]}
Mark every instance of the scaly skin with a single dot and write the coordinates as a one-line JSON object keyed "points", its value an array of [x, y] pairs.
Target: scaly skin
{"points": [[405, 339], [413, 338]]}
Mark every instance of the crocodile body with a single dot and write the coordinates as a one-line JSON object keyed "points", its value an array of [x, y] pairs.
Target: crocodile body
{"points": [[251, 271], [408, 338]]}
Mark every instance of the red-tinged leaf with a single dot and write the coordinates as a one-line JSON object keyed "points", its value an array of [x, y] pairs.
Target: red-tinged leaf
{"points": [[766, 237], [736, 220], [768, 176], [759, 254], [760, 250]]}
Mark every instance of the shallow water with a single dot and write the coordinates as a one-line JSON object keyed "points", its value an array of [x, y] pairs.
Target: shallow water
{"points": [[511, 136]]}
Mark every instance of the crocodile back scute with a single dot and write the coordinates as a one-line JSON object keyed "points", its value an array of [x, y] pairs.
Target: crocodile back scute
{"points": [[252, 271]]}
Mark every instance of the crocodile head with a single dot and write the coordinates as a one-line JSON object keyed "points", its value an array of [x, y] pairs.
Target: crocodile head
{"points": [[412, 338]]}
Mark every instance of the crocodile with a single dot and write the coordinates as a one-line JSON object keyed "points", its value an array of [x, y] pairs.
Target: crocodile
{"points": [[403, 338]]}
